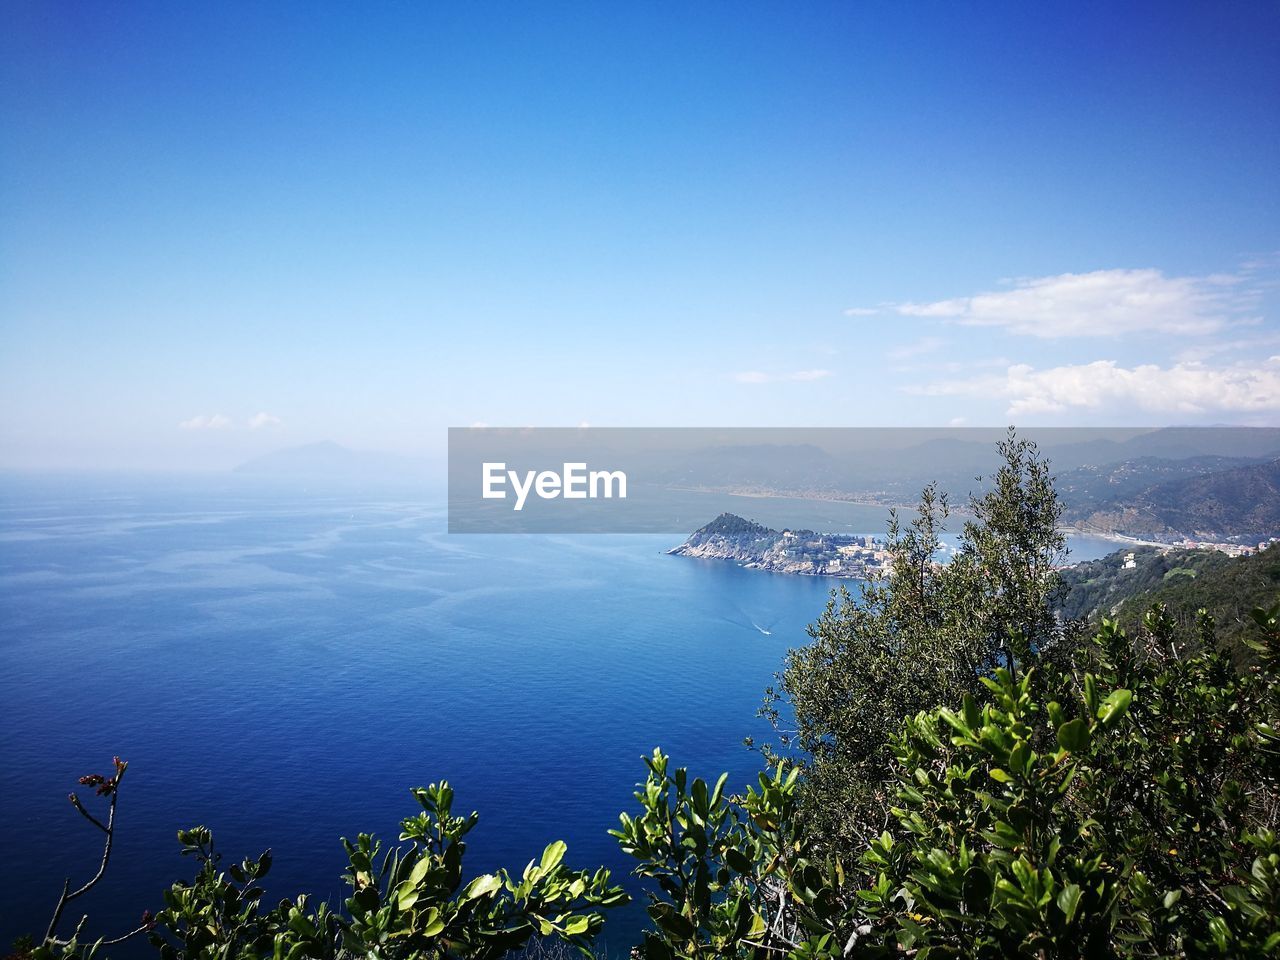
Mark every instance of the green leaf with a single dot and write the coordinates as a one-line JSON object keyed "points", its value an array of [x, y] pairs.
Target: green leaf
{"points": [[419, 871], [1069, 900], [672, 922], [482, 887], [1115, 706], [434, 928], [736, 859], [552, 856], [1074, 735], [1220, 932], [406, 896], [718, 792]]}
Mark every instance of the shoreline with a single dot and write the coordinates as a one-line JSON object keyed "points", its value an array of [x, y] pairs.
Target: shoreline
{"points": [[1118, 538]]}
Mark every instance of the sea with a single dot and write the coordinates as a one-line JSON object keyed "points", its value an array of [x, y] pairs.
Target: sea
{"points": [[283, 662]]}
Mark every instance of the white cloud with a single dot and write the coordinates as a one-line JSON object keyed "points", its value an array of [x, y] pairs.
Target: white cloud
{"points": [[863, 311], [795, 376], [260, 420], [1106, 303], [214, 421], [1185, 388]]}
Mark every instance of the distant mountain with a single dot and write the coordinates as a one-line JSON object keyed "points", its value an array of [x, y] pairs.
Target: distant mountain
{"points": [[778, 466], [1180, 500], [896, 465], [1090, 488], [330, 461], [1166, 443]]}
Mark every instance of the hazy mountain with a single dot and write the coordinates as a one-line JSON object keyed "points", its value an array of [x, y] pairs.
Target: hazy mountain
{"points": [[1090, 488], [327, 460], [1240, 504]]}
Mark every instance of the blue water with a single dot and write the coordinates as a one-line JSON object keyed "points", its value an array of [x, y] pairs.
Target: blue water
{"points": [[284, 664]]}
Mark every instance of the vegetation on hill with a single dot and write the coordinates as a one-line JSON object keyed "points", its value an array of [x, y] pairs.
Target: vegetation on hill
{"points": [[1183, 581], [405, 902], [966, 778], [731, 525]]}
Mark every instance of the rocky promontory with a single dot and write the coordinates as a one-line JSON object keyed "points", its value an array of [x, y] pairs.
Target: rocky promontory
{"points": [[757, 547]]}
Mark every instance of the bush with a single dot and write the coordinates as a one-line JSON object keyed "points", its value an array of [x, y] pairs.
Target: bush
{"points": [[407, 901], [1132, 817]]}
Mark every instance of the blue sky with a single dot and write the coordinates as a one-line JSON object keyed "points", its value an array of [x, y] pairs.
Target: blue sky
{"points": [[234, 227]]}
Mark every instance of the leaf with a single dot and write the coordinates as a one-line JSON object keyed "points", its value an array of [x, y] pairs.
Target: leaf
{"points": [[718, 792], [736, 859], [674, 923], [1019, 756], [482, 887], [406, 896], [977, 888], [1069, 900], [419, 871], [434, 927], [1115, 706], [1074, 735], [1220, 932], [552, 856]]}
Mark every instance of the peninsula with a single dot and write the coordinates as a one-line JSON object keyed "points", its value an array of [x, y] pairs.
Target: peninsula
{"points": [[757, 547]]}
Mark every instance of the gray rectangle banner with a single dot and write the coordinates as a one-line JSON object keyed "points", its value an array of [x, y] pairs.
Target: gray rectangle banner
{"points": [[671, 480]]}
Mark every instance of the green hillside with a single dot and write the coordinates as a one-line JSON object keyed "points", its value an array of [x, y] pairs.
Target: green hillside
{"points": [[1184, 580]]}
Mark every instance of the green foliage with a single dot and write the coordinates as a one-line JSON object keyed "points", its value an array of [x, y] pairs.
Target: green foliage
{"points": [[1130, 814], [733, 875], [1129, 822], [992, 859], [1229, 588], [920, 635], [732, 525], [408, 901]]}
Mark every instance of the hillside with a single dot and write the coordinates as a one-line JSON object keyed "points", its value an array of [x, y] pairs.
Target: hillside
{"points": [[1173, 501], [1184, 580]]}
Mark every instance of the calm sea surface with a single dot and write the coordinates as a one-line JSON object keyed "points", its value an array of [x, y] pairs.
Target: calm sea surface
{"points": [[283, 665]]}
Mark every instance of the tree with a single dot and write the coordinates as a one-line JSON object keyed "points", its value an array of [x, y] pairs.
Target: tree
{"points": [[921, 634], [1006, 567]]}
